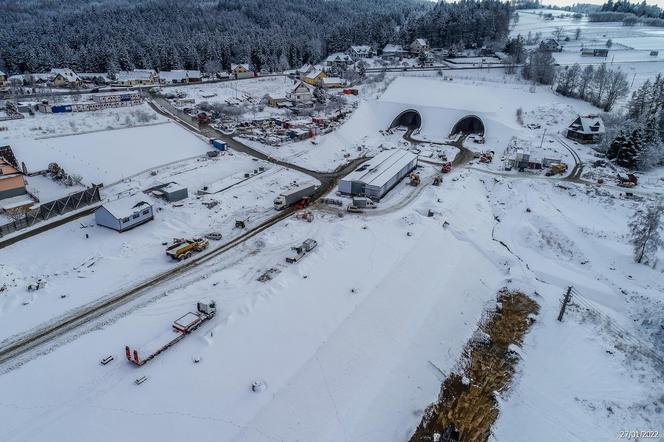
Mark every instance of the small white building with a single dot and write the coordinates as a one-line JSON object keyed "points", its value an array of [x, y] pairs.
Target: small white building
{"points": [[361, 51], [332, 82], [242, 70], [124, 214]]}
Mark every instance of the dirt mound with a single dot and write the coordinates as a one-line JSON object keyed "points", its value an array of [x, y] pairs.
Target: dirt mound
{"points": [[467, 407]]}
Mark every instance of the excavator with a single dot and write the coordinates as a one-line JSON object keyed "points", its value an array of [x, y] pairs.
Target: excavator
{"points": [[414, 179]]}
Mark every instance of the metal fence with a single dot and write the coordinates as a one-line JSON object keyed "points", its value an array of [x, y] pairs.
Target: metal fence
{"points": [[53, 208]]}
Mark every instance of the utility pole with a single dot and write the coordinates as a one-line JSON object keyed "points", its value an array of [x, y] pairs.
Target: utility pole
{"points": [[566, 300], [542, 142]]}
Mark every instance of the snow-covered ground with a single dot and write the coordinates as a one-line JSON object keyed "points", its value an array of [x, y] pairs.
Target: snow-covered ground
{"points": [[351, 340], [630, 51]]}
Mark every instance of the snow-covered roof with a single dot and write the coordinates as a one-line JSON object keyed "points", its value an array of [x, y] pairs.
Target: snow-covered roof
{"points": [[2, 74], [302, 84], [589, 124], [66, 73], [381, 168], [179, 74], [421, 41], [392, 48], [125, 207], [304, 69], [35, 77], [338, 56], [333, 80], [244, 66], [314, 74], [93, 75], [136, 74], [361, 49]]}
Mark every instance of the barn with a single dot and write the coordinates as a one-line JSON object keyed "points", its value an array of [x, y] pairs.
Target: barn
{"points": [[124, 214], [381, 173]]}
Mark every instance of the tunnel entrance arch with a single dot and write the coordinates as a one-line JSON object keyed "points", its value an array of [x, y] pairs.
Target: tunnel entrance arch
{"points": [[470, 124], [409, 118]]}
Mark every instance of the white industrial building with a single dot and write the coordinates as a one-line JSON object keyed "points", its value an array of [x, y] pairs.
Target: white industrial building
{"points": [[381, 173], [124, 214]]}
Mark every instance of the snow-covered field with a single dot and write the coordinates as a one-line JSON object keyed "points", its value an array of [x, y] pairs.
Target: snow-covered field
{"points": [[350, 341]]}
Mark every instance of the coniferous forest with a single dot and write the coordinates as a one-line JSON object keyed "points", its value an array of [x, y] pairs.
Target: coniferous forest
{"points": [[112, 35]]}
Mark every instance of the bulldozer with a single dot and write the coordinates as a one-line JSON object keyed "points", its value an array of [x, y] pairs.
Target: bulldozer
{"points": [[556, 169], [414, 179]]}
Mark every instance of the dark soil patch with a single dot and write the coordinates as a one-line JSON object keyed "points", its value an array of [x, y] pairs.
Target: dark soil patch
{"points": [[467, 408]]}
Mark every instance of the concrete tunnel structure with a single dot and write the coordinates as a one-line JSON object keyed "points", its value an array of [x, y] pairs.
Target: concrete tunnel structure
{"points": [[470, 124], [409, 118]]}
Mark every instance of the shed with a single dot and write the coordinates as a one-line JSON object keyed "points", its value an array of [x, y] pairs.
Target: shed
{"points": [[380, 174], [124, 214], [171, 192]]}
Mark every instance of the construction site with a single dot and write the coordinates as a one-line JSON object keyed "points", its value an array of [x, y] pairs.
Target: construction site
{"points": [[241, 277]]}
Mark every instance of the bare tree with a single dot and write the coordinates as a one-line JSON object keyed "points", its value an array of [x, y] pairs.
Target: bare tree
{"points": [[645, 233], [616, 88]]}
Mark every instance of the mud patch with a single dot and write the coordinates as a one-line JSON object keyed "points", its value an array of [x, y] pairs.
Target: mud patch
{"points": [[467, 406]]}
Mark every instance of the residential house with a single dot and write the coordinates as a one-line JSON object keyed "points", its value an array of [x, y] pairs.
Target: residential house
{"points": [[65, 77], [12, 181], [314, 77], [3, 78], [137, 77], [180, 76], [332, 82], [419, 45], [242, 70], [551, 45], [124, 214], [301, 94], [338, 59], [360, 52], [393, 52], [587, 129]]}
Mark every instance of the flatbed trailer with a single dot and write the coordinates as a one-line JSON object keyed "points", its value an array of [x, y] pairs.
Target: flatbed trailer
{"points": [[181, 327]]}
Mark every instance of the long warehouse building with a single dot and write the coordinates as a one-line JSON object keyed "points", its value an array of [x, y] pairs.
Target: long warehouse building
{"points": [[381, 173]]}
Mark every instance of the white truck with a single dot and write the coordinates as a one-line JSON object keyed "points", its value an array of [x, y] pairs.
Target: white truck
{"points": [[297, 196], [359, 204], [301, 250], [182, 326]]}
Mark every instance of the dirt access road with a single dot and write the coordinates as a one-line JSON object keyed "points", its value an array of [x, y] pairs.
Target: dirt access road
{"points": [[60, 326]]}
